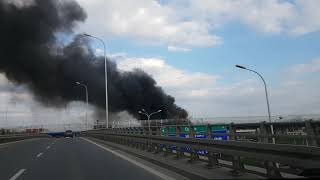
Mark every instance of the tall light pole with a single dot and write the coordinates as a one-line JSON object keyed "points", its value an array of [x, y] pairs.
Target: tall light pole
{"points": [[105, 73], [267, 98], [87, 101], [143, 111]]}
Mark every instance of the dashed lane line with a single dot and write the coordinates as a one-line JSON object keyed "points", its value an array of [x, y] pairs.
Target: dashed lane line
{"points": [[40, 154], [14, 177]]}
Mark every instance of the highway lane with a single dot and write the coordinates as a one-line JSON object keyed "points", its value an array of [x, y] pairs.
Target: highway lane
{"points": [[67, 158], [17, 155]]}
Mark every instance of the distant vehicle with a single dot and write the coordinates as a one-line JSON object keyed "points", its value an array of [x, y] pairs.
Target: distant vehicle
{"points": [[68, 133]]}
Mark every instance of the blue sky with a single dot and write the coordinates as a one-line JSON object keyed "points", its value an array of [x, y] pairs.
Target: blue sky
{"points": [[190, 47]]}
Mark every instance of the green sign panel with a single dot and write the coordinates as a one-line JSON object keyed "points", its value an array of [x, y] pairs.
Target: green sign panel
{"points": [[172, 130], [185, 129], [163, 131], [218, 127], [200, 129]]}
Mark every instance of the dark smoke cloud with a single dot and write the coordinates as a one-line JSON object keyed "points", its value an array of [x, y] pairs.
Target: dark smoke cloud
{"points": [[30, 54]]}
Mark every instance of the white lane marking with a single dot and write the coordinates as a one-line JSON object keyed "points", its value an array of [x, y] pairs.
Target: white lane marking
{"points": [[40, 154], [48, 147], [153, 171], [14, 177]]}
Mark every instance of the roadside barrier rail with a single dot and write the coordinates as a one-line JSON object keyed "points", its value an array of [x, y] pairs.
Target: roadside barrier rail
{"points": [[265, 159]]}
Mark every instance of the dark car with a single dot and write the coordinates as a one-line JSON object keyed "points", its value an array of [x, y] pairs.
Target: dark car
{"points": [[68, 133]]}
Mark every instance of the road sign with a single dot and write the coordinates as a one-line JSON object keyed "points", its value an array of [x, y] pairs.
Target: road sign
{"points": [[219, 129], [184, 131], [200, 131], [163, 131], [201, 151], [172, 131]]}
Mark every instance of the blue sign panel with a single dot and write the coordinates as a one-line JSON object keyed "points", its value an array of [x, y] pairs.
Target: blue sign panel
{"points": [[173, 147], [200, 136], [219, 137], [185, 149], [201, 152], [184, 135]]}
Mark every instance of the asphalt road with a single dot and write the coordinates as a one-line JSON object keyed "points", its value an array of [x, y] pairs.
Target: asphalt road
{"points": [[65, 158]]}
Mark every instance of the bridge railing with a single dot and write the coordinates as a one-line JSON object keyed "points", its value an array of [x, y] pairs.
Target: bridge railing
{"points": [[297, 133], [260, 158]]}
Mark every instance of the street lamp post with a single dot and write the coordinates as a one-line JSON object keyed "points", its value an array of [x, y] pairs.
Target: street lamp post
{"points": [[267, 98], [149, 115], [87, 103], [105, 73]]}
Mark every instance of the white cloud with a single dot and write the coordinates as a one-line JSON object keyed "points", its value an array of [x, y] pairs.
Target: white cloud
{"points": [[178, 49], [145, 20], [168, 76], [192, 23], [266, 16], [310, 67], [204, 96], [306, 17]]}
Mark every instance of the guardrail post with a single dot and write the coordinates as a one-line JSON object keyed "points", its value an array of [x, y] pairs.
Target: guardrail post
{"points": [[238, 168], [311, 131], [272, 169], [179, 153], [165, 150], [193, 156], [213, 161], [157, 149]]}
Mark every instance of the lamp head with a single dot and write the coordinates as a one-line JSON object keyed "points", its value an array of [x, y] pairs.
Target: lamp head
{"points": [[159, 110], [241, 67], [85, 34], [143, 110], [77, 83], [139, 112]]}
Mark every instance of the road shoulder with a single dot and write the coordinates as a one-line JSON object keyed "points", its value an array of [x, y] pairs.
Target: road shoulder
{"points": [[153, 168]]}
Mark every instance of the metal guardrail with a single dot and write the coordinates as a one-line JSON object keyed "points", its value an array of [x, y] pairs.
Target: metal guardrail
{"points": [[305, 132], [302, 160], [17, 137]]}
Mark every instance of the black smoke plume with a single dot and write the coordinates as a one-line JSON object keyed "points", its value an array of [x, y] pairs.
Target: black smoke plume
{"points": [[31, 54]]}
